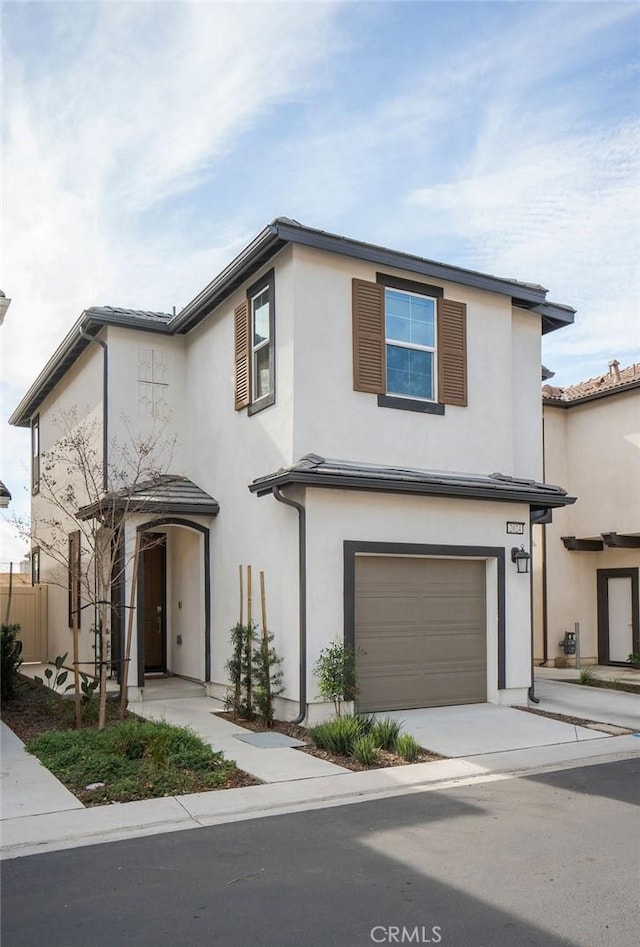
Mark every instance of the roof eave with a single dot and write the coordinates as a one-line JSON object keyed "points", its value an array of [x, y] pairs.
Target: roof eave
{"points": [[595, 396], [261, 249], [66, 354], [538, 498]]}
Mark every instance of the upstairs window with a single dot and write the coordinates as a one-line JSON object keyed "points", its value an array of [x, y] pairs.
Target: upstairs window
{"points": [[35, 454], [254, 331], [409, 345], [410, 331]]}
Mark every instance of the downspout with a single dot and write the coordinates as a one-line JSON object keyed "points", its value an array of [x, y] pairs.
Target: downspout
{"points": [[545, 616], [302, 594], [105, 460], [105, 405], [531, 691]]}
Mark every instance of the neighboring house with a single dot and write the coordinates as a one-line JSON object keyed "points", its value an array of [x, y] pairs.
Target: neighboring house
{"points": [[589, 555], [364, 426]]}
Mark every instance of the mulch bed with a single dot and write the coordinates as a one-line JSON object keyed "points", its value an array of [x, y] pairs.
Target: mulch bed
{"points": [[608, 685], [34, 710], [575, 721], [384, 758]]}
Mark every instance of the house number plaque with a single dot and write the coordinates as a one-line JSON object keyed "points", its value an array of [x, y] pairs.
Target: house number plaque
{"points": [[517, 528]]}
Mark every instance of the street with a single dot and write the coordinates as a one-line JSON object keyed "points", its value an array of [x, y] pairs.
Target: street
{"points": [[551, 859]]}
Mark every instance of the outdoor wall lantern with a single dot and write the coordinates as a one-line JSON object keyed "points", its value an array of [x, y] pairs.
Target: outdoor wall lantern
{"points": [[521, 558]]}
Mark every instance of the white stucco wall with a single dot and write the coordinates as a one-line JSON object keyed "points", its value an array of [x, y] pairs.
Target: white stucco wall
{"points": [[224, 451], [79, 392], [499, 430], [128, 412], [593, 450], [334, 516]]}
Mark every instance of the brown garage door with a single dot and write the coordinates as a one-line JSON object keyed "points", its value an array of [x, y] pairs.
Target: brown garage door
{"points": [[420, 632]]}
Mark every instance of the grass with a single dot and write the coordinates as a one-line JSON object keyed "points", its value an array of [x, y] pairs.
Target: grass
{"points": [[407, 747], [367, 740], [133, 760], [364, 750], [587, 674]]}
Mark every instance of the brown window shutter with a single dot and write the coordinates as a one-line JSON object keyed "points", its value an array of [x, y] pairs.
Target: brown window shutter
{"points": [[242, 355], [369, 369], [452, 352]]}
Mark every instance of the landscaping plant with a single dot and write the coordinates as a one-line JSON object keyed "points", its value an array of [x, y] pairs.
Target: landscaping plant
{"points": [[407, 747], [254, 673], [11, 660], [340, 734], [385, 733], [131, 760], [335, 669], [365, 750]]}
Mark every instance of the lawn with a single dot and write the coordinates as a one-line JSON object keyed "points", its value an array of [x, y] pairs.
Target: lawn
{"points": [[127, 761]]}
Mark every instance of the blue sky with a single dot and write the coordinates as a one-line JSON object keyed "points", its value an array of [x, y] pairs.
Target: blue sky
{"points": [[146, 143]]}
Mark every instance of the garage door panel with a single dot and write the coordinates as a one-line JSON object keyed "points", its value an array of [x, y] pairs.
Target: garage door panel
{"points": [[420, 632]]}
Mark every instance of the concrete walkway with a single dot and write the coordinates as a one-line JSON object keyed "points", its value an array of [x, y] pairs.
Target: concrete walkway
{"points": [[590, 703], [488, 742]]}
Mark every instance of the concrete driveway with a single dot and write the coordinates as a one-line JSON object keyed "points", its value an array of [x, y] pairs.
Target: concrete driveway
{"points": [[476, 729]]}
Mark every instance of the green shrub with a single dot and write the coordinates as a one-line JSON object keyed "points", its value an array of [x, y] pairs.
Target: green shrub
{"points": [[408, 747], [337, 735], [10, 661], [133, 759], [587, 674], [336, 673], [385, 733], [364, 750]]}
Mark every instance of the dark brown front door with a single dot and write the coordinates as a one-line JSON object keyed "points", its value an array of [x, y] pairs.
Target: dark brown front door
{"points": [[154, 566]]}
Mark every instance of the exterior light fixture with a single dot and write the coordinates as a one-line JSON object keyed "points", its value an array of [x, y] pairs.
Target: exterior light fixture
{"points": [[521, 558]]}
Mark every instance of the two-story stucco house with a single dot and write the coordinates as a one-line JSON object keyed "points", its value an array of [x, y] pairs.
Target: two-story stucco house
{"points": [[364, 426], [589, 556]]}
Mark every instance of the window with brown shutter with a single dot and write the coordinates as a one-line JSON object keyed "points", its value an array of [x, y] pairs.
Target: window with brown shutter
{"points": [[254, 347], [243, 363], [74, 577], [452, 352], [368, 337], [404, 332]]}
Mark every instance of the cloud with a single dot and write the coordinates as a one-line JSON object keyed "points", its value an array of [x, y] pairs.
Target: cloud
{"points": [[130, 105]]}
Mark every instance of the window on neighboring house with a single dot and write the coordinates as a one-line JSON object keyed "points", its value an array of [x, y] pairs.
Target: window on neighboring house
{"points": [[35, 565], [409, 345], [35, 454], [153, 384], [74, 577], [254, 330]]}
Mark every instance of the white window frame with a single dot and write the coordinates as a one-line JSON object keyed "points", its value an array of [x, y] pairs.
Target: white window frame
{"points": [[266, 344], [413, 345]]}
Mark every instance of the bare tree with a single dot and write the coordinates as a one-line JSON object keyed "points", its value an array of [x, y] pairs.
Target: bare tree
{"points": [[73, 511]]}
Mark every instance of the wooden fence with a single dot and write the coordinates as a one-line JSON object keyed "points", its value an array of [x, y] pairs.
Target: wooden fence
{"points": [[29, 610]]}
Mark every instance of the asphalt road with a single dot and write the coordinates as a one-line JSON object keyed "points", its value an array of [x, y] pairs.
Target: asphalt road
{"points": [[548, 860]]}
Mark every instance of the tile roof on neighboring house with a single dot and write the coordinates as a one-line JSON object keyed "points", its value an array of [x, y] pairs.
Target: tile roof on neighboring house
{"points": [[616, 380]]}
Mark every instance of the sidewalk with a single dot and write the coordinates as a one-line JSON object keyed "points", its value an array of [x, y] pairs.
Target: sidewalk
{"points": [[494, 743]]}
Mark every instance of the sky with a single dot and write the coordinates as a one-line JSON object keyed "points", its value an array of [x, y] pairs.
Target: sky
{"points": [[145, 143]]}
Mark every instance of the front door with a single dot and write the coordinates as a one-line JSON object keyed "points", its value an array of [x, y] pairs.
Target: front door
{"points": [[154, 572], [618, 619]]}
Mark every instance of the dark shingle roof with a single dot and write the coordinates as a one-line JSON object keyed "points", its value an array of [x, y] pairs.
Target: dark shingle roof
{"points": [[167, 494], [313, 470]]}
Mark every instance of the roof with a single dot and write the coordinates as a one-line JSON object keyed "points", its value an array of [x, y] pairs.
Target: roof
{"points": [[615, 381], [269, 242], [85, 328], [168, 494], [4, 491], [315, 471], [283, 230]]}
